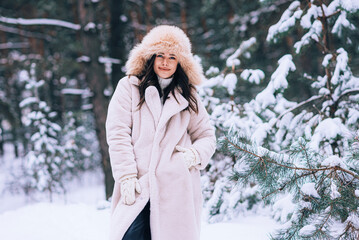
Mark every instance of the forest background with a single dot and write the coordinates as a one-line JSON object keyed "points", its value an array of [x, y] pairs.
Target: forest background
{"points": [[60, 62]]}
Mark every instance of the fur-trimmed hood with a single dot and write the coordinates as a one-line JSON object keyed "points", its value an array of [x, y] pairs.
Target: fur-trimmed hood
{"points": [[172, 39]]}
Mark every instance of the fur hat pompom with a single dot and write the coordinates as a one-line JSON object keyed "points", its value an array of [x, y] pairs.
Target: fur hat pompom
{"points": [[165, 38]]}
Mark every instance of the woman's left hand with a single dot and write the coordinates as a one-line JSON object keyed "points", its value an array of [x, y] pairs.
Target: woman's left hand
{"points": [[190, 156]]}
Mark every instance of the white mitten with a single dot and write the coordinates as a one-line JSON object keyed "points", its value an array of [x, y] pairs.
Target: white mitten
{"points": [[129, 185], [190, 155]]}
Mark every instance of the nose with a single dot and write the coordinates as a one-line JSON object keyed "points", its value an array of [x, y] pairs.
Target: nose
{"points": [[164, 62]]}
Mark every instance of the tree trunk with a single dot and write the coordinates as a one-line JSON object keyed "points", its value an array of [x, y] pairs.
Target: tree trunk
{"points": [[97, 82], [117, 37]]}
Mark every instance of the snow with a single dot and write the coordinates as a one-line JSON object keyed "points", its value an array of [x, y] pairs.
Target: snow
{"points": [[123, 18], [40, 21], [342, 22], [307, 230], [309, 189], [249, 227], [328, 129], [245, 45], [84, 214], [313, 34], [357, 193], [109, 60], [334, 193], [75, 91], [83, 59], [283, 208], [353, 220], [55, 221], [233, 62], [13, 45], [278, 82], [279, 76], [79, 221], [333, 161], [212, 70], [90, 26], [252, 75], [260, 133], [326, 60], [230, 82], [286, 21], [28, 101], [341, 66], [312, 13], [350, 5], [324, 91]]}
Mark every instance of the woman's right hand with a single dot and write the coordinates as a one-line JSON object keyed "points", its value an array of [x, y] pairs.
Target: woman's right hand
{"points": [[129, 186]]}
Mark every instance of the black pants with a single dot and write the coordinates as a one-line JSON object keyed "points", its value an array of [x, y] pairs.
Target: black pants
{"points": [[140, 228]]}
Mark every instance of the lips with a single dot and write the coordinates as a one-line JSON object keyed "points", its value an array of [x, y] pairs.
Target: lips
{"points": [[164, 69]]}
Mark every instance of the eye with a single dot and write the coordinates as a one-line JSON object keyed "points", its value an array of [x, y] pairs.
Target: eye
{"points": [[160, 55], [172, 58]]}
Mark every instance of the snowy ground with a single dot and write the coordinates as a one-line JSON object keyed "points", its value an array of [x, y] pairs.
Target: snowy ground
{"points": [[45, 221], [83, 215]]}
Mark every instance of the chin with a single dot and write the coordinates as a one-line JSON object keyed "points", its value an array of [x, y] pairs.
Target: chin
{"points": [[165, 75]]}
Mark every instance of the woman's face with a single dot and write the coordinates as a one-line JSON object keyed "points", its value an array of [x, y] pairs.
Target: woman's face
{"points": [[165, 64]]}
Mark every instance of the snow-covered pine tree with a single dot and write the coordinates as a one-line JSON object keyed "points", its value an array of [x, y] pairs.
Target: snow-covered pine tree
{"points": [[45, 163], [332, 110], [324, 188], [75, 144], [327, 117], [218, 93]]}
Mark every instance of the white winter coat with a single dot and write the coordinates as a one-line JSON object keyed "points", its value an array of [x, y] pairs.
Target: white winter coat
{"points": [[142, 141]]}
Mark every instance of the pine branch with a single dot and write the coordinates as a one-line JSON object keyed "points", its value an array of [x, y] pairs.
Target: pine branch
{"points": [[285, 184], [263, 160], [244, 150], [347, 92], [25, 33], [324, 222], [13, 45], [40, 21], [311, 99]]}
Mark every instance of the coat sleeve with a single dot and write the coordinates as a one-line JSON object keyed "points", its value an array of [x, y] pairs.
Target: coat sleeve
{"points": [[118, 131], [202, 134]]}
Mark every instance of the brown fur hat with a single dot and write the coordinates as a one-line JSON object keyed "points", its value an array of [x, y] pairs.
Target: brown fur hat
{"points": [[172, 39]]}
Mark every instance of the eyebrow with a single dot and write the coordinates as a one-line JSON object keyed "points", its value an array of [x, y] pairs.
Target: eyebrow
{"points": [[169, 54]]}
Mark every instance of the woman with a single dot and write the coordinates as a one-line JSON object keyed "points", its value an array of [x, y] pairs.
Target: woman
{"points": [[159, 137]]}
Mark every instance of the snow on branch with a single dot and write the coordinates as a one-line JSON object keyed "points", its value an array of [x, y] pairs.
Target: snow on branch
{"points": [[73, 91], [12, 45], [313, 34], [341, 23], [348, 92], [242, 48], [278, 81], [40, 21], [349, 5], [286, 21], [109, 60], [312, 99]]}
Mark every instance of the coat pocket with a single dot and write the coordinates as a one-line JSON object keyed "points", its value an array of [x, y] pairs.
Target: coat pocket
{"points": [[178, 158], [183, 162]]}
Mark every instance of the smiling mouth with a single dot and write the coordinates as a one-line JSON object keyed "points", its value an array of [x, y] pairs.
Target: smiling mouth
{"points": [[164, 69]]}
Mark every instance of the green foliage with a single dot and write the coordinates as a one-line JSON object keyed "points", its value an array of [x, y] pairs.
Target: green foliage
{"points": [[324, 189]]}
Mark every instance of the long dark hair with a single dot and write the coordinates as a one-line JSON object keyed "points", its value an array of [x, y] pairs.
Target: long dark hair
{"points": [[179, 81]]}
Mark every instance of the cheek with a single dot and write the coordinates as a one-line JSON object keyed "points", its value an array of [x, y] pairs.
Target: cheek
{"points": [[155, 66], [156, 63], [175, 67]]}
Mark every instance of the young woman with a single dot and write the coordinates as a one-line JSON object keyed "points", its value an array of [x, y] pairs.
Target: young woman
{"points": [[159, 137]]}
